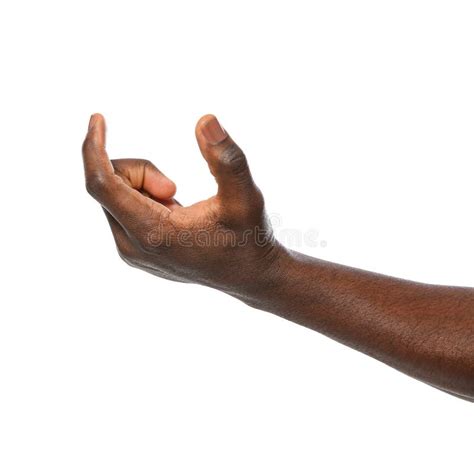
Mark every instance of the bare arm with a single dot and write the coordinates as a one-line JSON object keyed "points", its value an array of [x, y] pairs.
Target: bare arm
{"points": [[225, 242], [425, 331]]}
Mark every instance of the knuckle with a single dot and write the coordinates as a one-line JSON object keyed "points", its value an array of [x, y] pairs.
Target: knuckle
{"points": [[148, 166], [119, 165], [96, 183], [128, 251], [144, 242], [125, 250], [233, 159]]}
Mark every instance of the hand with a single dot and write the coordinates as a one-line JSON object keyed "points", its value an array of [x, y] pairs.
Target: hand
{"points": [[224, 242]]}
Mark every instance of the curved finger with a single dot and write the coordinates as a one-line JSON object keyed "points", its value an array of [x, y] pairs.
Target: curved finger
{"points": [[145, 176], [96, 160], [226, 161], [132, 210]]}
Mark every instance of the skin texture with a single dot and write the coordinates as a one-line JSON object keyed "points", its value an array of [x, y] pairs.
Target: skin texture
{"points": [[226, 243]]}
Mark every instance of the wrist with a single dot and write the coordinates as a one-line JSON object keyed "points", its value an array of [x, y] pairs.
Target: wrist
{"points": [[268, 278]]}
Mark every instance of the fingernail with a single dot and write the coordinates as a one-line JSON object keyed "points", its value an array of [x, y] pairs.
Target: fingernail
{"points": [[214, 132], [91, 122]]}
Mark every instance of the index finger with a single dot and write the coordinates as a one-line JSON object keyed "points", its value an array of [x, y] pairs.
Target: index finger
{"points": [[128, 206], [96, 161]]}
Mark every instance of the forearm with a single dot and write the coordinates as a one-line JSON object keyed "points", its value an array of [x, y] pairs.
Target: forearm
{"points": [[423, 330]]}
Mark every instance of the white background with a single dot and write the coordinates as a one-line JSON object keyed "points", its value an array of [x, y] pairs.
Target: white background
{"points": [[358, 121]]}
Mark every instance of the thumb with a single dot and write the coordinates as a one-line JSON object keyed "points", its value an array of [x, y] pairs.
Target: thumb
{"points": [[226, 161]]}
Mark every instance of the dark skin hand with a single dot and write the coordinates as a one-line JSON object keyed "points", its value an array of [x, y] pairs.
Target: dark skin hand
{"points": [[226, 243]]}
